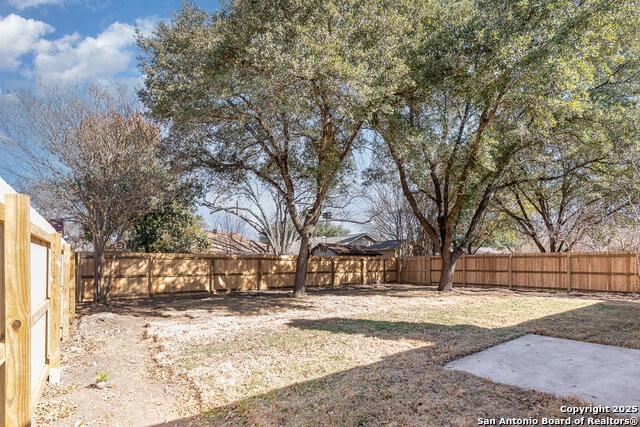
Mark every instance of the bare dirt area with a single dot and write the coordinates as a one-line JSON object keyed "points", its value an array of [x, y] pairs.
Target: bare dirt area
{"points": [[371, 355], [111, 345]]}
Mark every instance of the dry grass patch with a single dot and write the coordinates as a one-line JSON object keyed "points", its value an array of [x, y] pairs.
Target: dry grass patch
{"points": [[370, 356]]}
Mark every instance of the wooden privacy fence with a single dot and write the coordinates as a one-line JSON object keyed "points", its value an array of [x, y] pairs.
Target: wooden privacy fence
{"points": [[142, 274], [578, 271], [36, 284]]}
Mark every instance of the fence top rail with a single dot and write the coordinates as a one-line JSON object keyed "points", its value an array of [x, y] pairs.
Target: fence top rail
{"points": [[291, 258], [41, 234], [35, 230], [170, 256], [203, 256], [602, 254]]}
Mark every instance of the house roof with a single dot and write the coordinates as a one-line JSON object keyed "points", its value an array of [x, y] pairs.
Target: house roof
{"points": [[223, 242], [487, 250], [349, 238], [343, 240], [343, 250], [386, 245]]}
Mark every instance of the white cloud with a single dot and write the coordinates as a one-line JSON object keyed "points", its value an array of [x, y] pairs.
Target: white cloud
{"points": [[148, 24], [19, 36], [74, 58], [23, 4]]}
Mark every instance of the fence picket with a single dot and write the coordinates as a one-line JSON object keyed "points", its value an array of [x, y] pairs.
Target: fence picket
{"points": [[539, 271], [211, 272], [54, 317], [67, 278]]}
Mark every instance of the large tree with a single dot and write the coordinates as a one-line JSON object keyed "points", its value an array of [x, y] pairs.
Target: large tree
{"points": [[277, 91], [568, 194], [490, 78], [625, 131], [90, 157]]}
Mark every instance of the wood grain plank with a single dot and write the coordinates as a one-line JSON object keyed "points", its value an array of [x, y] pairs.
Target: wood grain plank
{"points": [[54, 295], [64, 300], [17, 272]]}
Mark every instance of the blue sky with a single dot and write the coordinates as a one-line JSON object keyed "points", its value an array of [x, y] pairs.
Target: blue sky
{"points": [[74, 41]]}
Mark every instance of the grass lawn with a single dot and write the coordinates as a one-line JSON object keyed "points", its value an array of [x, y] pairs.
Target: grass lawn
{"points": [[370, 355]]}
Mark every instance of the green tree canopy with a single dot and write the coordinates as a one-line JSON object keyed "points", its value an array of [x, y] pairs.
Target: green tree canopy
{"points": [[568, 192], [277, 90], [491, 79], [330, 230], [174, 228]]}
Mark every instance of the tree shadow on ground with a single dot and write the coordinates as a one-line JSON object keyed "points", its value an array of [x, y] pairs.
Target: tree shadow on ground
{"points": [[243, 303], [612, 323], [273, 301], [411, 387], [233, 304]]}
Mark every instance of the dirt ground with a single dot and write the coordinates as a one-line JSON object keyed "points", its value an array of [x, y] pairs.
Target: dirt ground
{"points": [[136, 392], [347, 356]]}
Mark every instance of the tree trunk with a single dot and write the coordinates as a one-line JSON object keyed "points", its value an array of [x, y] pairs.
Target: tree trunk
{"points": [[449, 261], [107, 289], [299, 287], [98, 271]]}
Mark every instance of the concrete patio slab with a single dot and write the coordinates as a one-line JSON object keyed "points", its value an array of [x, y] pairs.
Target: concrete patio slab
{"points": [[601, 374]]}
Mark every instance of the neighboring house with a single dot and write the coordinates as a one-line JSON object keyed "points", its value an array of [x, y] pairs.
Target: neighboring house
{"points": [[228, 243], [487, 250], [359, 239], [386, 247], [336, 249]]}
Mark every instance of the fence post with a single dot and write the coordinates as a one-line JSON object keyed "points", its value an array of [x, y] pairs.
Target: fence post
{"points": [[17, 271], [510, 271], [384, 270], [85, 258], [78, 282], [464, 270], [54, 316], [429, 268], [150, 276], [259, 274], [64, 300], [568, 272], [333, 272], [72, 286], [362, 271], [211, 276]]}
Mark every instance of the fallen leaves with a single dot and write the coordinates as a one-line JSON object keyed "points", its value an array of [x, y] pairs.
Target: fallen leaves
{"points": [[52, 410]]}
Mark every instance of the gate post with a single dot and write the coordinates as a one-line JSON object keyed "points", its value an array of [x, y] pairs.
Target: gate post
{"points": [[17, 275]]}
